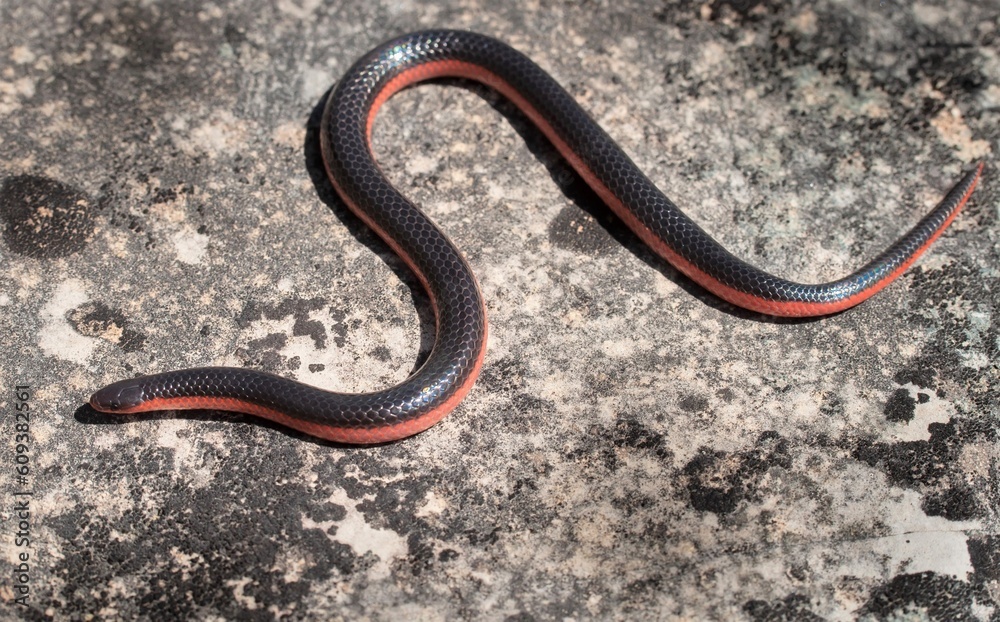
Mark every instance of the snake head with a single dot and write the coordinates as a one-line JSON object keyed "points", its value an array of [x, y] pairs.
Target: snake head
{"points": [[125, 396]]}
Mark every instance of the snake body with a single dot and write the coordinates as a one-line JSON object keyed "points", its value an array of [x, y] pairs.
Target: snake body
{"points": [[454, 363]]}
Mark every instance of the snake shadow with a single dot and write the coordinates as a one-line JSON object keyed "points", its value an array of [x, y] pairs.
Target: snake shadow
{"points": [[566, 179]]}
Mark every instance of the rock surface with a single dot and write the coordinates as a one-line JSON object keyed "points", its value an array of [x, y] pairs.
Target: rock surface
{"points": [[634, 448]]}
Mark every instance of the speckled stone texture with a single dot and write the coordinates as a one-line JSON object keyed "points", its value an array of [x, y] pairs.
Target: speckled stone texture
{"points": [[634, 448]]}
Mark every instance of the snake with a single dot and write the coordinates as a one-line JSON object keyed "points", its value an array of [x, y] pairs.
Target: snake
{"points": [[451, 368]]}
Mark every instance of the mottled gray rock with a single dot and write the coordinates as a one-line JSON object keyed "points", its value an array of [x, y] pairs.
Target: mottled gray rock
{"points": [[634, 449]]}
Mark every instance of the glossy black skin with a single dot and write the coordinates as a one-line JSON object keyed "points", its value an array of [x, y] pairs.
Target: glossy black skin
{"points": [[461, 322]]}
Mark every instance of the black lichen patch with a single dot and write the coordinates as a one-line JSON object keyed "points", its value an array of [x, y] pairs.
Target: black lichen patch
{"points": [[742, 10], [922, 377], [339, 326], [685, 14], [984, 552], [421, 554], [95, 319], [298, 308], [694, 403], [185, 548], [794, 607], [956, 337], [928, 466], [851, 50], [900, 407], [939, 597], [44, 218], [632, 434], [264, 353], [932, 467], [718, 481], [602, 443], [950, 66]]}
